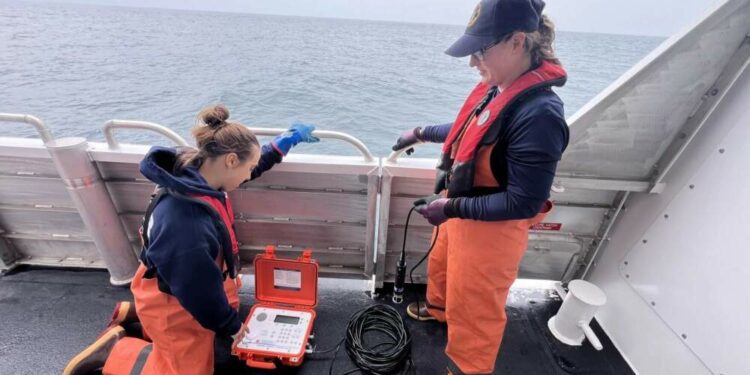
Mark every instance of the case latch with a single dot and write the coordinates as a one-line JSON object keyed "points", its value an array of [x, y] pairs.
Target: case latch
{"points": [[306, 256], [270, 251]]}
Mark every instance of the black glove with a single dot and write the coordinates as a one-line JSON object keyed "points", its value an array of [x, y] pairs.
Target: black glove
{"points": [[407, 139]]}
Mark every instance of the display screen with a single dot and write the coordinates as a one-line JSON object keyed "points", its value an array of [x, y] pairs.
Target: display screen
{"points": [[286, 319]]}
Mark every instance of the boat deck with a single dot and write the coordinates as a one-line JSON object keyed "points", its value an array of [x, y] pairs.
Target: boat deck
{"points": [[50, 314]]}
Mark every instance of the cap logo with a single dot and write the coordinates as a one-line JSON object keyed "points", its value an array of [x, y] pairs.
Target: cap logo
{"points": [[483, 118], [475, 16]]}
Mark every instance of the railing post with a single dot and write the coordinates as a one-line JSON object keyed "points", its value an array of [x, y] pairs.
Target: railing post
{"points": [[94, 204], [386, 181], [8, 255]]}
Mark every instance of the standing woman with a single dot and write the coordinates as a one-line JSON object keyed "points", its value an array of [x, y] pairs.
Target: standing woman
{"points": [[185, 288], [498, 162]]}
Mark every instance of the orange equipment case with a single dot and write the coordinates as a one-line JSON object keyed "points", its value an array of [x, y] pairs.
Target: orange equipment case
{"points": [[298, 293]]}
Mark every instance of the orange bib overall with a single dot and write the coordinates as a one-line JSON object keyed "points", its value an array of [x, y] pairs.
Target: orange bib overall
{"points": [[179, 344], [470, 271], [474, 263]]}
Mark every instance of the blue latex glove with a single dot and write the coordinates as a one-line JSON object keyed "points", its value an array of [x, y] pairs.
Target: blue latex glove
{"points": [[435, 211], [296, 133]]}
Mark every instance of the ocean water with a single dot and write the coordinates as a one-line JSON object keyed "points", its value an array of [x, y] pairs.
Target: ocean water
{"points": [[77, 66]]}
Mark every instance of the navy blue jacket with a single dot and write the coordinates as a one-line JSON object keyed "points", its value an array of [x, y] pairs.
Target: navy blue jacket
{"points": [[524, 162], [184, 242]]}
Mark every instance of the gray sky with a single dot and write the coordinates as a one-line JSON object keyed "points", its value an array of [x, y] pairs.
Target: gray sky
{"points": [[638, 17]]}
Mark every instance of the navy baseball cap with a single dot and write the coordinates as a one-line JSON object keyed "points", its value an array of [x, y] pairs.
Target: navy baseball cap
{"points": [[493, 19]]}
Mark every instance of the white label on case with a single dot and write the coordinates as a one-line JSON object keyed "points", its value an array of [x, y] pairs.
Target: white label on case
{"points": [[287, 279]]}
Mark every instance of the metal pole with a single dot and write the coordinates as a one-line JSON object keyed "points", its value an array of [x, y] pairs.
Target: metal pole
{"points": [[94, 204]]}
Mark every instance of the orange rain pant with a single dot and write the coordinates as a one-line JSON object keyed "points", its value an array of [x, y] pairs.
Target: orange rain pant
{"points": [[180, 345], [470, 271]]}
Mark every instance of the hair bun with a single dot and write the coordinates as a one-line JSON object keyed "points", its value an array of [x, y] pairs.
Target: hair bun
{"points": [[216, 116]]}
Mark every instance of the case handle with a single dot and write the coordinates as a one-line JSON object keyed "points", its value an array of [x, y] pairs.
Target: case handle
{"points": [[261, 364]]}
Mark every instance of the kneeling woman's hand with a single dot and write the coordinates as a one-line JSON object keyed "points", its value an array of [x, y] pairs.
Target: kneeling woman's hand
{"points": [[296, 133], [240, 333]]}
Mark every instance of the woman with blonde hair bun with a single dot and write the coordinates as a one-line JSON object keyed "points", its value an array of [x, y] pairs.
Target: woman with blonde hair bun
{"points": [[186, 286]]}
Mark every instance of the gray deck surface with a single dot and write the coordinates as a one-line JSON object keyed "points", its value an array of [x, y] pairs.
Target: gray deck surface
{"points": [[49, 315]]}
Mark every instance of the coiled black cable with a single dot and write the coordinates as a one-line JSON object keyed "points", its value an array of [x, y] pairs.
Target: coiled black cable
{"points": [[387, 357], [396, 356], [392, 356]]}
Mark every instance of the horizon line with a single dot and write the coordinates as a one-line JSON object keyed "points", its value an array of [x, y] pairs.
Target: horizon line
{"points": [[74, 2]]}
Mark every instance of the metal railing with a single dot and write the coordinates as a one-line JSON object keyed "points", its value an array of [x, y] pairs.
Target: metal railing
{"points": [[31, 120], [324, 134], [393, 157], [85, 185], [111, 125]]}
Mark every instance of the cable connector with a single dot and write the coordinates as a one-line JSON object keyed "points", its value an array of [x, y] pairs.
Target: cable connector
{"points": [[398, 285], [426, 200]]}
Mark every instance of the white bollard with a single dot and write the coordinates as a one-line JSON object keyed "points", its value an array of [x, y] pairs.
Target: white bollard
{"points": [[571, 324]]}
